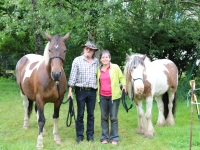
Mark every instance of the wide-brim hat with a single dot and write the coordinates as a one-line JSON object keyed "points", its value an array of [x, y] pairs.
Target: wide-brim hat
{"points": [[91, 45]]}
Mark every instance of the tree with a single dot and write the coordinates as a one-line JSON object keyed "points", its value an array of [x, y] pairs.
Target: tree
{"points": [[160, 29]]}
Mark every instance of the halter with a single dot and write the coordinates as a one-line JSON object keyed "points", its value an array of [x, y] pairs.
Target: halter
{"points": [[56, 57], [137, 79]]}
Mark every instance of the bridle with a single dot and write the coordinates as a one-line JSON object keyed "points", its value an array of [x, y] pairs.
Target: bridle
{"points": [[135, 80], [57, 82], [56, 57]]}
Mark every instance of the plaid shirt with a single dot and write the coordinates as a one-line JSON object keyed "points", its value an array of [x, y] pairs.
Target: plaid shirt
{"points": [[83, 74]]}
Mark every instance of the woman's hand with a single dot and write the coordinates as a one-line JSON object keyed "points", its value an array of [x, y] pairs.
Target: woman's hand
{"points": [[124, 88]]}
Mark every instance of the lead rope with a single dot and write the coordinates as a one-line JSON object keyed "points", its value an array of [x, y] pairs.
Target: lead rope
{"points": [[58, 89], [71, 111], [124, 101]]}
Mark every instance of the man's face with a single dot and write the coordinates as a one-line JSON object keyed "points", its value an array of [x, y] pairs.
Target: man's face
{"points": [[88, 52]]}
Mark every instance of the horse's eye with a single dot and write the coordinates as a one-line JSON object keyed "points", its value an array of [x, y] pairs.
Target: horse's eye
{"points": [[49, 50], [134, 67]]}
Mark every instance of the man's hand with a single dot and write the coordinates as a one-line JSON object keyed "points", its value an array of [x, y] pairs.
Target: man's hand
{"points": [[70, 93]]}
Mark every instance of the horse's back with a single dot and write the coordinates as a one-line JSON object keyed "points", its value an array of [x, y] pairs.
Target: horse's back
{"points": [[167, 67], [29, 58], [25, 65], [164, 75]]}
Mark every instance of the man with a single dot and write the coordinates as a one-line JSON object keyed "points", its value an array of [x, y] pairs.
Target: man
{"points": [[83, 78]]}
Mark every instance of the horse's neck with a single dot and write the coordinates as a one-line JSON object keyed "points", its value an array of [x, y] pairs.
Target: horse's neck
{"points": [[45, 68], [148, 66], [150, 71]]}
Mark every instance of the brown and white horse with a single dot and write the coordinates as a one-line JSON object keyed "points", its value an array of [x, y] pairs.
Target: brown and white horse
{"points": [[38, 77], [147, 80]]}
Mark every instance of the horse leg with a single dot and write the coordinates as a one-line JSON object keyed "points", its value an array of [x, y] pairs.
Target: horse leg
{"points": [[41, 123], [37, 115], [170, 116], [161, 117], [25, 103], [140, 113], [57, 139], [149, 130]]}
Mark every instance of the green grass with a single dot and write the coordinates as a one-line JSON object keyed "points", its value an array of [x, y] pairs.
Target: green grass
{"points": [[14, 137]]}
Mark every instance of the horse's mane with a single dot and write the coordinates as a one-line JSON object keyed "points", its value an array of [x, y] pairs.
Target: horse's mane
{"points": [[46, 54], [133, 61]]}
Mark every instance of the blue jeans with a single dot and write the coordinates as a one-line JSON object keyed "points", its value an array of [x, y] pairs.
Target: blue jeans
{"points": [[109, 109], [88, 98]]}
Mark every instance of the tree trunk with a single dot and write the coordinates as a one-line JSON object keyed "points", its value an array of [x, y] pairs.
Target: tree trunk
{"points": [[37, 37], [39, 49]]}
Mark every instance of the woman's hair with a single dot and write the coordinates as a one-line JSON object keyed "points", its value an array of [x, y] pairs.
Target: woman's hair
{"points": [[104, 52]]}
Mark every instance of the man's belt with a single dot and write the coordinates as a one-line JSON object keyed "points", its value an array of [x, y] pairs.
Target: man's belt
{"points": [[85, 88]]}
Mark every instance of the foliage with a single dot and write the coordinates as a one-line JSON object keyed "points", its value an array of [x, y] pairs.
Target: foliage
{"points": [[160, 29]]}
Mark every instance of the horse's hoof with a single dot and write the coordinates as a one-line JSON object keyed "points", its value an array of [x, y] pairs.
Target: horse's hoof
{"points": [[44, 131], [160, 124], [58, 141], [25, 127], [139, 132], [40, 145], [149, 135], [170, 122]]}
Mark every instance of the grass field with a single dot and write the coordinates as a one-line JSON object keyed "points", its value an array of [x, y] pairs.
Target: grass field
{"points": [[14, 137]]}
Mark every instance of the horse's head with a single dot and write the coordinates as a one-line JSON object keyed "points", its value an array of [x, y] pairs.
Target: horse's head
{"points": [[55, 54], [135, 72]]}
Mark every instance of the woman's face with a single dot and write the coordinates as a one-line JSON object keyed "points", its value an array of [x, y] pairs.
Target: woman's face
{"points": [[105, 59]]}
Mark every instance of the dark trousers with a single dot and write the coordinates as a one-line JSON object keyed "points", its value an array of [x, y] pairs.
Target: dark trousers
{"points": [[88, 98], [109, 110]]}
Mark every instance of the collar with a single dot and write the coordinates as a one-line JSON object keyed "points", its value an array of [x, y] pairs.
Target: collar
{"points": [[107, 68]]}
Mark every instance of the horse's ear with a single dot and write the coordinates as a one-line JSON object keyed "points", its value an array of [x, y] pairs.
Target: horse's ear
{"points": [[144, 56], [66, 36], [127, 57], [47, 36]]}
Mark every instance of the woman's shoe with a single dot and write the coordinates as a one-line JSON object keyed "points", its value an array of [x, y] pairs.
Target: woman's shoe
{"points": [[104, 141], [114, 142]]}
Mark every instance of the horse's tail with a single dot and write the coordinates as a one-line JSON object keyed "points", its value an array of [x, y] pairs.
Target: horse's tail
{"points": [[30, 107], [174, 104], [165, 99], [36, 109]]}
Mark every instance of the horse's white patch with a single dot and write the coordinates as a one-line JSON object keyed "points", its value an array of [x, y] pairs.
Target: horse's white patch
{"points": [[157, 77], [32, 58], [46, 54], [56, 46]]}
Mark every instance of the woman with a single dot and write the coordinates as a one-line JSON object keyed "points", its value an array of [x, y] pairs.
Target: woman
{"points": [[109, 77]]}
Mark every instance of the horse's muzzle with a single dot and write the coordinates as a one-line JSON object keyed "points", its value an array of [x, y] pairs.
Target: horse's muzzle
{"points": [[56, 76], [139, 91]]}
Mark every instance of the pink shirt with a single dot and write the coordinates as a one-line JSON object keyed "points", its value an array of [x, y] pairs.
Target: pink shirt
{"points": [[105, 83]]}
